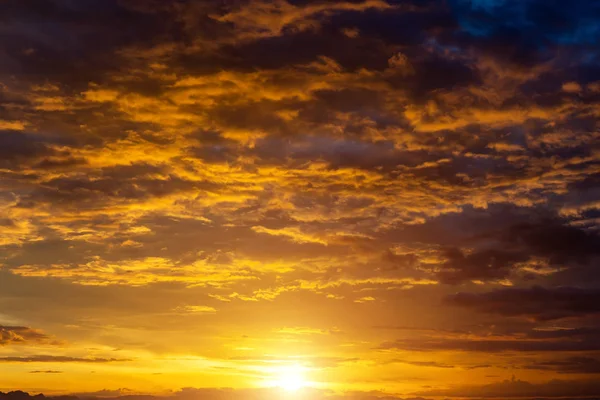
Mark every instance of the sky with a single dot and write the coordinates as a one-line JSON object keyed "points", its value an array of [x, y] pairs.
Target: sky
{"points": [[357, 199]]}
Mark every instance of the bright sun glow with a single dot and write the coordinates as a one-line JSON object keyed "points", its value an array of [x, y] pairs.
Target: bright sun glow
{"points": [[291, 378]]}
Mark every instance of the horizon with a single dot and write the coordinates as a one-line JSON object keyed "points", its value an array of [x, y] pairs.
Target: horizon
{"points": [[309, 199]]}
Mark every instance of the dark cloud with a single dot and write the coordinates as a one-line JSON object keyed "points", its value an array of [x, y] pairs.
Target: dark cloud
{"points": [[50, 371], [58, 359], [20, 335], [539, 303], [17, 146], [497, 250], [135, 182], [105, 393], [275, 52], [72, 41], [563, 333], [425, 364], [336, 153], [559, 242], [483, 265], [483, 345], [57, 163], [435, 73], [571, 365], [518, 388]]}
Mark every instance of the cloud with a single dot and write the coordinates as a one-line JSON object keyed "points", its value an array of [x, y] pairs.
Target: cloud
{"points": [[518, 388], [196, 309], [50, 371], [314, 362], [482, 345], [214, 394], [484, 265], [294, 234], [107, 393], [19, 146], [58, 359], [270, 19], [571, 365], [559, 242], [505, 336], [10, 335], [539, 303], [269, 164], [11, 125], [432, 364]]}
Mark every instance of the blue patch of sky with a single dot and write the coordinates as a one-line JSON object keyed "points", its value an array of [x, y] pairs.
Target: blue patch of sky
{"points": [[587, 32], [499, 13], [485, 17]]}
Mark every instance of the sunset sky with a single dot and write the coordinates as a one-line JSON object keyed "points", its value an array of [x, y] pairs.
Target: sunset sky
{"points": [[343, 199]]}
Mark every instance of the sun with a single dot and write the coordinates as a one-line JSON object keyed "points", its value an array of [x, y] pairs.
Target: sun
{"points": [[291, 378]]}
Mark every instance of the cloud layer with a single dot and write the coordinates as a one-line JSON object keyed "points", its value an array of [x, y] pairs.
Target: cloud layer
{"points": [[234, 187]]}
